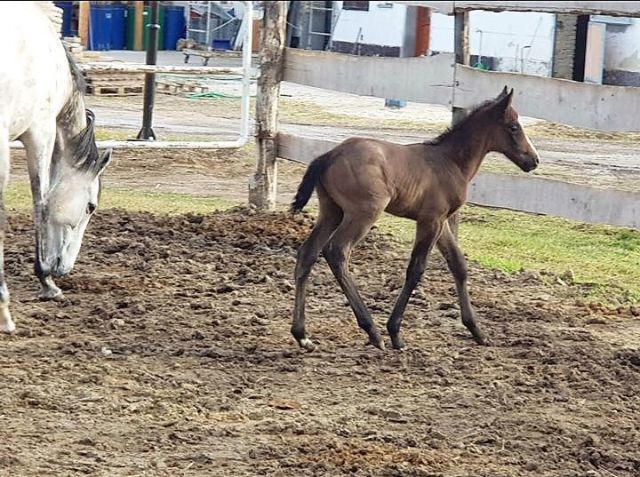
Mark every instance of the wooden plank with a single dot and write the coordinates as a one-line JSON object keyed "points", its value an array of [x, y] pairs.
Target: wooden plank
{"points": [[263, 184], [550, 197], [423, 80], [108, 67], [590, 106], [302, 149], [624, 9], [517, 192]]}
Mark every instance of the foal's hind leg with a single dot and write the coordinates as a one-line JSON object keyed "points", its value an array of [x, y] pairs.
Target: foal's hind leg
{"points": [[6, 323], [426, 236], [458, 266], [337, 253], [328, 219]]}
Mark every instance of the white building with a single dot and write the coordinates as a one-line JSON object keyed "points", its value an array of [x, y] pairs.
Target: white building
{"points": [[507, 41]]}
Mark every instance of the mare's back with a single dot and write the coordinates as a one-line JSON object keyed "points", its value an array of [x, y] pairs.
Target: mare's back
{"points": [[33, 68]]}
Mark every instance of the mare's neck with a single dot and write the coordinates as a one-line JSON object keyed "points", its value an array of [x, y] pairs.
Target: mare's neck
{"points": [[72, 119], [466, 147]]}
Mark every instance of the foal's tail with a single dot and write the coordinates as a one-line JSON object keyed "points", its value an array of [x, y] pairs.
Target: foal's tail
{"points": [[309, 182]]}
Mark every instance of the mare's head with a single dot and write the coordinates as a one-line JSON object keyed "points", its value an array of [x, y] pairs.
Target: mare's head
{"points": [[508, 136], [73, 197]]}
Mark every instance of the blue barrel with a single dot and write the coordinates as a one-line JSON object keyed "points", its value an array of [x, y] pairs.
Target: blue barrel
{"points": [[118, 27], [67, 13], [173, 26], [100, 22]]}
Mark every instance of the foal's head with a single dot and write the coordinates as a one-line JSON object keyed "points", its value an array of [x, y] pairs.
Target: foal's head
{"points": [[507, 136]]}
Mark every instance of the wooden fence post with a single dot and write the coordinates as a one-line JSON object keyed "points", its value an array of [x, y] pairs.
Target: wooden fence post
{"points": [[461, 49], [138, 32], [84, 10], [263, 184]]}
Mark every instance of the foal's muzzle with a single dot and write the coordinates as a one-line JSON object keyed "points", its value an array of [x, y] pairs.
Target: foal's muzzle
{"points": [[529, 162]]}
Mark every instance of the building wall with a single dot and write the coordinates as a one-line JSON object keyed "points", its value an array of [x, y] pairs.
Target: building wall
{"points": [[564, 46], [379, 31], [622, 54], [514, 41]]}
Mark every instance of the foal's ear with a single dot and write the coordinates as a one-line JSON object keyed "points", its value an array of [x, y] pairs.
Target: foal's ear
{"points": [[504, 91], [103, 161], [504, 101]]}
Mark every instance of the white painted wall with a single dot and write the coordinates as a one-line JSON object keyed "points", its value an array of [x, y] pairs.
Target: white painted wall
{"points": [[622, 47], [381, 25], [503, 36]]}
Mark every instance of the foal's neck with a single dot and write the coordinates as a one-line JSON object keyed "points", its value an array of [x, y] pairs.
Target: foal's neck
{"points": [[467, 147]]}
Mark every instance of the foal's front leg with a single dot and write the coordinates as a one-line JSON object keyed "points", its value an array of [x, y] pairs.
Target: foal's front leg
{"points": [[39, 156], [6, 323], [458, 266], [427, 233]]}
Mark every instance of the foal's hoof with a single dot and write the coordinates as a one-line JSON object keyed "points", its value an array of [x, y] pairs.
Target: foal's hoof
{"points": [[377, 343], [307, 344], [397, 343], [481, 339]]}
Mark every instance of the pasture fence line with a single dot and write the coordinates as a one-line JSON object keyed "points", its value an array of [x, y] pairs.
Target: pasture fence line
{"points": [[443, 79]]}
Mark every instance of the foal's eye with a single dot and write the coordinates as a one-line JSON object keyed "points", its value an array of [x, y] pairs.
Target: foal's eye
{"points": [[514, 128], [91, 208]]}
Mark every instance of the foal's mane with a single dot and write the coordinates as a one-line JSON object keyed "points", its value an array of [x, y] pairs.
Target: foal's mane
{"points": [[82, 146], [473, 114]]}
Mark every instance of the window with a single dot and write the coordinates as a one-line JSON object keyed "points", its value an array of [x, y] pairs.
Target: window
{"points": [[363, 6]]}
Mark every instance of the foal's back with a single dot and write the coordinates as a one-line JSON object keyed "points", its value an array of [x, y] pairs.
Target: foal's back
{"points": [[405, 180]]}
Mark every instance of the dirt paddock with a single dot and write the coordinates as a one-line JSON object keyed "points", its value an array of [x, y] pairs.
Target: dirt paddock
{"points": [[171, 356]]}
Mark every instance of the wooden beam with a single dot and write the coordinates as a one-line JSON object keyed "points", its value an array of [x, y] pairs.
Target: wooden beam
{"points": [[623, 9], [262, 187], [109, 67], [516, 192], [423, 80], [590, 106], [423, 31], [461, 51], [84, 11], [139, 25]]}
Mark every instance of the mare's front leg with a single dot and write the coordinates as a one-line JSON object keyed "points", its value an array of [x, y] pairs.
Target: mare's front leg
{"points": [[6, 323], [458, 266], [427, 233], [39, 156]]}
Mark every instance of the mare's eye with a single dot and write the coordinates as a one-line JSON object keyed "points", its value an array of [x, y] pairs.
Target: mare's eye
{"points": [[91, 208]]}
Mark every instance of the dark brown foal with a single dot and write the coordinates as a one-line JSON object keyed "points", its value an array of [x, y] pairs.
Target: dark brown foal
{"points": [[427, 182]]}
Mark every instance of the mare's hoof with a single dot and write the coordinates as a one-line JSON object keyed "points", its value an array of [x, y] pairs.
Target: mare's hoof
{"points": [[49, 295], [8, 327]]}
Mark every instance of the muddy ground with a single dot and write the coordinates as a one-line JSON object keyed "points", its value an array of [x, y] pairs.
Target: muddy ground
{"points": [[171, 356]]}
